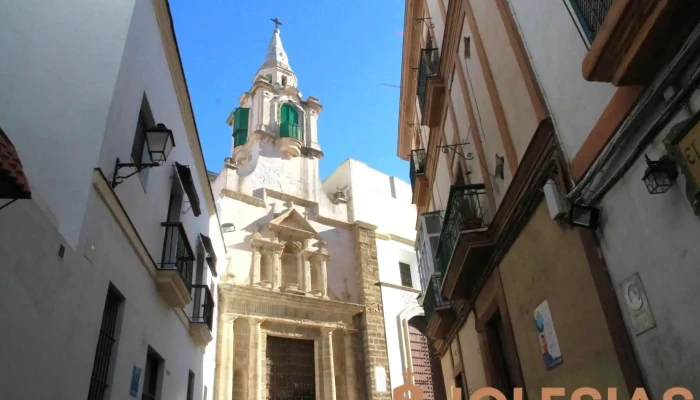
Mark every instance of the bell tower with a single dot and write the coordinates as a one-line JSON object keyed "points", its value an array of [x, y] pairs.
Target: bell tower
{"points": [[275, 138]]}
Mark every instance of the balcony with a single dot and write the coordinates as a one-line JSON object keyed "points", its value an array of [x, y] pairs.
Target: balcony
{"points": [[431, 90], [465, 245], [439, 312], [174, 275], [290, 130], [419, 181], [202, 315], [631, 40]]}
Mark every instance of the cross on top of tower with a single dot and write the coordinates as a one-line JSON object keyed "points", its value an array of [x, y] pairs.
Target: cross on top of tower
{"points": [[276, 21]]}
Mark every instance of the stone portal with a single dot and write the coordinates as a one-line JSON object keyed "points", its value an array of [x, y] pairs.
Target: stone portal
{"points": [[290, 369]]}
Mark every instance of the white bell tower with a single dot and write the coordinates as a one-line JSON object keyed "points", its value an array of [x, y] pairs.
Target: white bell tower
{"points": [[275, 137]]}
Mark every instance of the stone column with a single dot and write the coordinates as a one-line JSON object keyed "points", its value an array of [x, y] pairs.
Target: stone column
{"points": [[350, 378], [372, 328], [301, 274], [277, 269], [328, 367], [324, 278], [256, 357], [255, 266], [307, 275], [224, 363]]}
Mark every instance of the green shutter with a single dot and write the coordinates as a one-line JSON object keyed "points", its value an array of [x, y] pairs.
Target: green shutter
{"points": [[240, 126], [289, 122]]}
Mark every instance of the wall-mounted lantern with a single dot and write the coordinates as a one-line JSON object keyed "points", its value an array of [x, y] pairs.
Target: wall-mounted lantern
{"points": [[159, 143], [660, 175]]}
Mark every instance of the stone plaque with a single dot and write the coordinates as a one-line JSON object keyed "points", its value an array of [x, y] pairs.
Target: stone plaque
{"points": [[636, 304], [380, 378]]}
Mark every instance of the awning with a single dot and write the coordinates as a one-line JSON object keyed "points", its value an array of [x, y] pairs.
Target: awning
{"points": [[211, 256], [188, 184], [13, 183]]}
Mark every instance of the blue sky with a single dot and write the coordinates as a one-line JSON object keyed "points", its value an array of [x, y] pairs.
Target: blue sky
{"points": [[341, 52]]}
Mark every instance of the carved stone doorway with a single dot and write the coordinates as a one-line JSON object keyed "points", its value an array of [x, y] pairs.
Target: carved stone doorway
{"points": [[290, 369], [427, 371]]}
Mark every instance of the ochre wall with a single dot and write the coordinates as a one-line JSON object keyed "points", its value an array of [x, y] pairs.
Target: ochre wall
{"points": [[548, 262], [471, 355]]}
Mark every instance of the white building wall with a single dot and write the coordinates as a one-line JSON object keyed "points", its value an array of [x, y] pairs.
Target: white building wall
{"points": [[556, 50], [655, 236], [60, 65], [385, 201], [56, 305]]}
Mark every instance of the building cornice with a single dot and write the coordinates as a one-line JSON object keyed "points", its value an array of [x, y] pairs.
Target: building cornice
{"points": [[234, 298], [399, 287], [409, 59], [242, 197]]}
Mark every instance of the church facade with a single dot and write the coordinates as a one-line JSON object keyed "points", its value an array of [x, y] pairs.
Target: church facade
{"points": [[301, 312]]}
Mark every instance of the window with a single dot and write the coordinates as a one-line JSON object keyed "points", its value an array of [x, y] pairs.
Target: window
{"points": [[289, 115], [190, 386], [467, 47], [284, 81], [405, 270], [151, 375], [176, 201], [289, 122], [101, 369], [426, 245], [139, 150]]}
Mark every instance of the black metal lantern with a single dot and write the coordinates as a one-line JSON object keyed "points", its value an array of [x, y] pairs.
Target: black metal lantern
{"points": [[659, 175], [159, 141]]}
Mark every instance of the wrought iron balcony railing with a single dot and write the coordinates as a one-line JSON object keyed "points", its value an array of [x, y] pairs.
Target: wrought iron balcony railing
{"points": [[418, 158], [177, 252], [434, 301], [202, 305], [290, 130], [591, 14], [467, 209], [429, 66]]}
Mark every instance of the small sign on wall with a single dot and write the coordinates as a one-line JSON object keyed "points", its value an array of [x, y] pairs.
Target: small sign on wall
{"points": [[380, 379], [551, 353], [135, 377], [637, 304]]}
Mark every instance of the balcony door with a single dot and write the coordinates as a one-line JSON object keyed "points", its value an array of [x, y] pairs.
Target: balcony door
{"points": [[496, 339]]}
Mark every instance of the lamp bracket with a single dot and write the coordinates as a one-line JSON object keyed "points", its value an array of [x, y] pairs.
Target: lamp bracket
{"points": [[117, 179], [446, 148]]}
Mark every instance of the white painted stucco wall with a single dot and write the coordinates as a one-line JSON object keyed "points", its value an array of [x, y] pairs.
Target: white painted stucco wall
{"points": [[385, 201], [56, 305], [556, 50], [656, 237], [60, 65]]}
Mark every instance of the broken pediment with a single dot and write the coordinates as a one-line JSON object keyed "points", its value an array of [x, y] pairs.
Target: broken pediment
{"points": [[293, 224]]}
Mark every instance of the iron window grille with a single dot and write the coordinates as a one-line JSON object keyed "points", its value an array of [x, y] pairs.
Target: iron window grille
{"points": [[105, 344], [591, 14]]}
